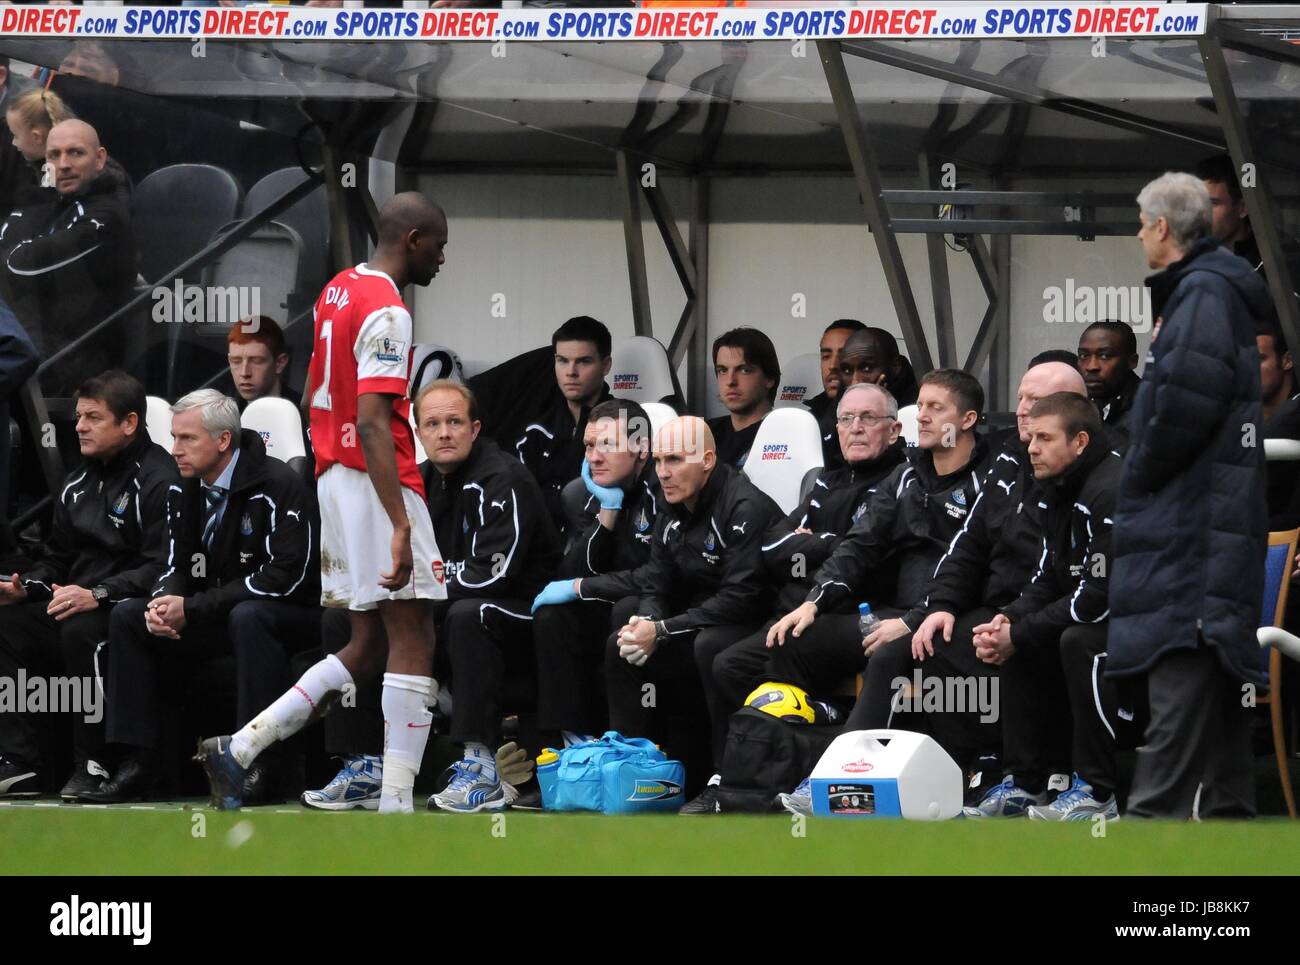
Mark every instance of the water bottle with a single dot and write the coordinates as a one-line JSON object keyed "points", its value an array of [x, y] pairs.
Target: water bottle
{"points": [[867, 621], [548, 767]]}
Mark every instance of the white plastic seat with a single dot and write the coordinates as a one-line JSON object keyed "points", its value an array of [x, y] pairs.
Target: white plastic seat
{"points": [[641, 371], [420, 454], [801, 378], [1282, 450], [659, 413], [277, 421], [430, 362], [158, 420], [788, 444], [907, 416]]}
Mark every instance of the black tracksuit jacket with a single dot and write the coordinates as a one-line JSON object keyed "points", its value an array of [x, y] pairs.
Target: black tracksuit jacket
{"points": [[706, 566], [492, 527], [266, 547], [1073, 575], [593, 549], [551, 447], [110, 525], [996, 552], [838, 499], [889, 554]]}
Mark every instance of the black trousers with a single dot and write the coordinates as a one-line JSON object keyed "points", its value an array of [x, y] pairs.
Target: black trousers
{"points": [[261, 634], [819, 660], [1094, 707], [742, 667], [678, 674], [352, 727], [874, 707], [1036, 723], [39, 645], [1059, 712], [6, 464], [1198, 737], [479, 642], [483, 640], [570, 644], [968, 733], [264, 636]]}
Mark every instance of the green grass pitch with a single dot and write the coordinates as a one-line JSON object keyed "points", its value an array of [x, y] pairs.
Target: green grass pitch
{"points": [[190, 839]]}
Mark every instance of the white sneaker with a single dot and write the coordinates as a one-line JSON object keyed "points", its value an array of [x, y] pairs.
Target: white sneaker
{"points": [[469, 791], [1005, 800], [798, 801], [1076, 804], [356, 785]]}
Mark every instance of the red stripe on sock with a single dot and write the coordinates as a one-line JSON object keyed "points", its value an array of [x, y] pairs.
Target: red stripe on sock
{"points": [[305, 696]]}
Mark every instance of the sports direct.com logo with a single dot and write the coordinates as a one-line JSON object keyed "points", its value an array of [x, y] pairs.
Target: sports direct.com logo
{"points": [[627, 380], [793, 393], [776, 451], [811, 22]]}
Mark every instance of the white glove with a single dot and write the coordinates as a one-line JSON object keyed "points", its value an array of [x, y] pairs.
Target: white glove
{"points": [[630, 651], [633, 654]]}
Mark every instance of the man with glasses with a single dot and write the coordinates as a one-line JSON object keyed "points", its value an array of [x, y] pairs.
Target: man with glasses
{"points": [[794, 548]]}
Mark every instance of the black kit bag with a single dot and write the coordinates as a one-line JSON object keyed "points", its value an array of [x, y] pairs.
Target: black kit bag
{"points": [[766, 756]]}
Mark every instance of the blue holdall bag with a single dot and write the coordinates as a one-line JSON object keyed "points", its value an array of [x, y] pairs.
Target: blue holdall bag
{"points": [[615, 775]]}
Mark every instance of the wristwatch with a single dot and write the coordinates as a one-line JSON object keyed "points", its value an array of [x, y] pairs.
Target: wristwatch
{"points": [[100, 593], [661, 631]]}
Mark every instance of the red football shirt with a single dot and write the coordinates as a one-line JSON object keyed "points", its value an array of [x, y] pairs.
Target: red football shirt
{"points": [[363, 344]]}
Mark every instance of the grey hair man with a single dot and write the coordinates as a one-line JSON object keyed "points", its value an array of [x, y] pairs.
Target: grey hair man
{"points": [[242, 576], [1190, 535]]}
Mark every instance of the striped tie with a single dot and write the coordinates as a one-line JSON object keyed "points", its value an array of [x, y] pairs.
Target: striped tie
{"points": [[215, 496]]}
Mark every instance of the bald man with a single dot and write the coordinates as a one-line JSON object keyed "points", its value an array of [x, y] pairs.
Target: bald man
{"points": [[703, 590], [71, 264]]}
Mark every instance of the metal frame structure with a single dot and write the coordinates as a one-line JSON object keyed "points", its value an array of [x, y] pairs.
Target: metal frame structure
{"points": [[353, 212]]}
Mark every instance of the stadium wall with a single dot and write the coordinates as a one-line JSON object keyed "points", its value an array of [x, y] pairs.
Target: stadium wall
{"points": [[528, 251]]}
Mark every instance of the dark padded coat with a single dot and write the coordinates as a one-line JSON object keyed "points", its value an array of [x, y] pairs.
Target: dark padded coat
{"points": [[1190, 528]]}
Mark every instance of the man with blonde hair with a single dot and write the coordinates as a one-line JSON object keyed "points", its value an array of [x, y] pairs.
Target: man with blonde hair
{"points": [[492, 522]]}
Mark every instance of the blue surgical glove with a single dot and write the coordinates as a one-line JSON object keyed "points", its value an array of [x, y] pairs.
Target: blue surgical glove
{"points": [[555, 593], [610, 498]]}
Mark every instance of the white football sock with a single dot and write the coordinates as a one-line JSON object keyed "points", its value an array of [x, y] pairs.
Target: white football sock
{"points": [[405, 702], [291, 711], [486, 759]]}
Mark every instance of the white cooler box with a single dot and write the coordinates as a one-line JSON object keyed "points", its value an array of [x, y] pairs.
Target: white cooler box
{"points": [[886, 774]]}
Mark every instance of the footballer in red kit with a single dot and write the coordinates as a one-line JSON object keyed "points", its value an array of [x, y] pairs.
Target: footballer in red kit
{"points": [[379, 557]]}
